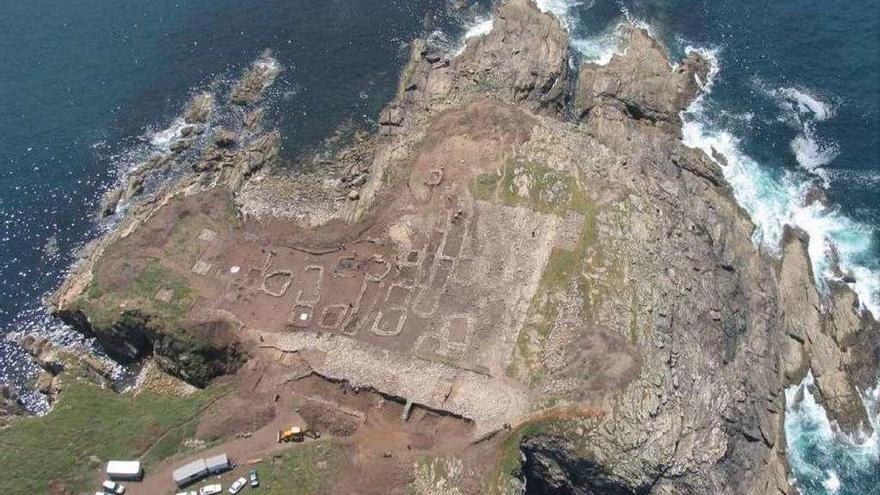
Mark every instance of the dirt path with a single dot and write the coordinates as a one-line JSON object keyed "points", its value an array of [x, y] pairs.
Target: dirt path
{"points": [[261, 443]]}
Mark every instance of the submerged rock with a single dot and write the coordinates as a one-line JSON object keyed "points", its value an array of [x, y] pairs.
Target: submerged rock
{"points": [[256, 80], [199, 109]]}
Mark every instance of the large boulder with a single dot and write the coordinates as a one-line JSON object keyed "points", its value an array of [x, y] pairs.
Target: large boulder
{"points": [[256, 80], [640, 83], [524, 55]]}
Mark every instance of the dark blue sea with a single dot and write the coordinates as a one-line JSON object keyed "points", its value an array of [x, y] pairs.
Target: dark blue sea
{"points": [[793, 104], [86, 85]]}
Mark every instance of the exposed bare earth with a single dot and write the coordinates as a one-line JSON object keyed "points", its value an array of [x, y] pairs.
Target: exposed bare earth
{"points": [[519, 245]]}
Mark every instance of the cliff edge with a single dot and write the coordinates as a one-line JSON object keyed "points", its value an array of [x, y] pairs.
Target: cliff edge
{"points": [[522, 245]]}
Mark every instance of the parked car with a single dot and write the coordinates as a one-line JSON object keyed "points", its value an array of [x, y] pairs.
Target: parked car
{"points": [[188, 493], [211, 489], [113, 487], [237, 486], [255, 479]]}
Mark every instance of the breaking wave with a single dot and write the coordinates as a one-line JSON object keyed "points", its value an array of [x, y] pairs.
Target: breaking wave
{"points": [[481, 27], [824, 460], [840, 248], [560, 8], [601, 48], [804, 111]]}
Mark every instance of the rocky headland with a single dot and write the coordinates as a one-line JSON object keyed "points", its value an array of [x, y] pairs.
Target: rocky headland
{"points": [[522, 245]]}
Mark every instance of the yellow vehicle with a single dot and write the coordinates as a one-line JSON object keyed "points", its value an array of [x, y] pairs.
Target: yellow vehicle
{"points": [[292, 434], [296, 434]]}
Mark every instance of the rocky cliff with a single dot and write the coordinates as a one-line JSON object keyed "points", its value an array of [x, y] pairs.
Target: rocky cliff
{"points": [[722, 328], [650, 306]]}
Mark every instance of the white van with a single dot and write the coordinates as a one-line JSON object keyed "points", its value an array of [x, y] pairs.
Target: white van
{"points": [[211, 489]]}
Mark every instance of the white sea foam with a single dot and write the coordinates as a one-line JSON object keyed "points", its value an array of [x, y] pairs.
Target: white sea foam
{"points": [[832, 483], [812, 438], [837, 244], [558, 8], [636, 22], [711, 54], [600, 49], [267, 63], [803, 109], [481, 27], [811, 154], [163, 139], [805, 102]]}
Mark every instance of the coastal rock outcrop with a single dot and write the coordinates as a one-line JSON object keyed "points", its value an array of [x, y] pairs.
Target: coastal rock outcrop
{"points": [[256, 80], [640, 84], [604, 293], [524, 57], [60, 363], [195, 353], [11, 407]]}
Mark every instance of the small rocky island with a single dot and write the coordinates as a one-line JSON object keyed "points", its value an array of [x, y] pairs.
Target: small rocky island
{"points": [[522, 281]]}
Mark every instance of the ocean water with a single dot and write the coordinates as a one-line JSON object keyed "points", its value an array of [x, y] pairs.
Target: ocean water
{"points": [[87, 88], [793, 105]]}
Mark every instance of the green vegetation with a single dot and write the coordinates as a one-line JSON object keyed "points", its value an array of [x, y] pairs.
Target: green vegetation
{"points": [[170, 444], [572, 426], [90, 423], [484, 186], [104, 307], [634, 320], [510, 460], [155, 278], [301, 470], [547, 190], [523, 183], [568, 272], [183, 245]]}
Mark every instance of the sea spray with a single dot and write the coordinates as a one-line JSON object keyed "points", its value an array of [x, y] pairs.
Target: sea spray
{"points": [[601, 48], [824, 460], [804, 111], [480, 26], [561, 9], [840, 248]]}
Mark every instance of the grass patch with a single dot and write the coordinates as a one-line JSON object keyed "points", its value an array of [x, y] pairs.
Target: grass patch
{"points": [[484, 186], [523, 183], [183, 245], [569, 423], [104, 307], [91, 421], [509, 459], [170, 444], [302, 470], [155, 277], [563, 267]]}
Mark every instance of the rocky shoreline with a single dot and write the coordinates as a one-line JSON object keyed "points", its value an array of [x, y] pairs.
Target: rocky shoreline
{"points": [[709, 331]]}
